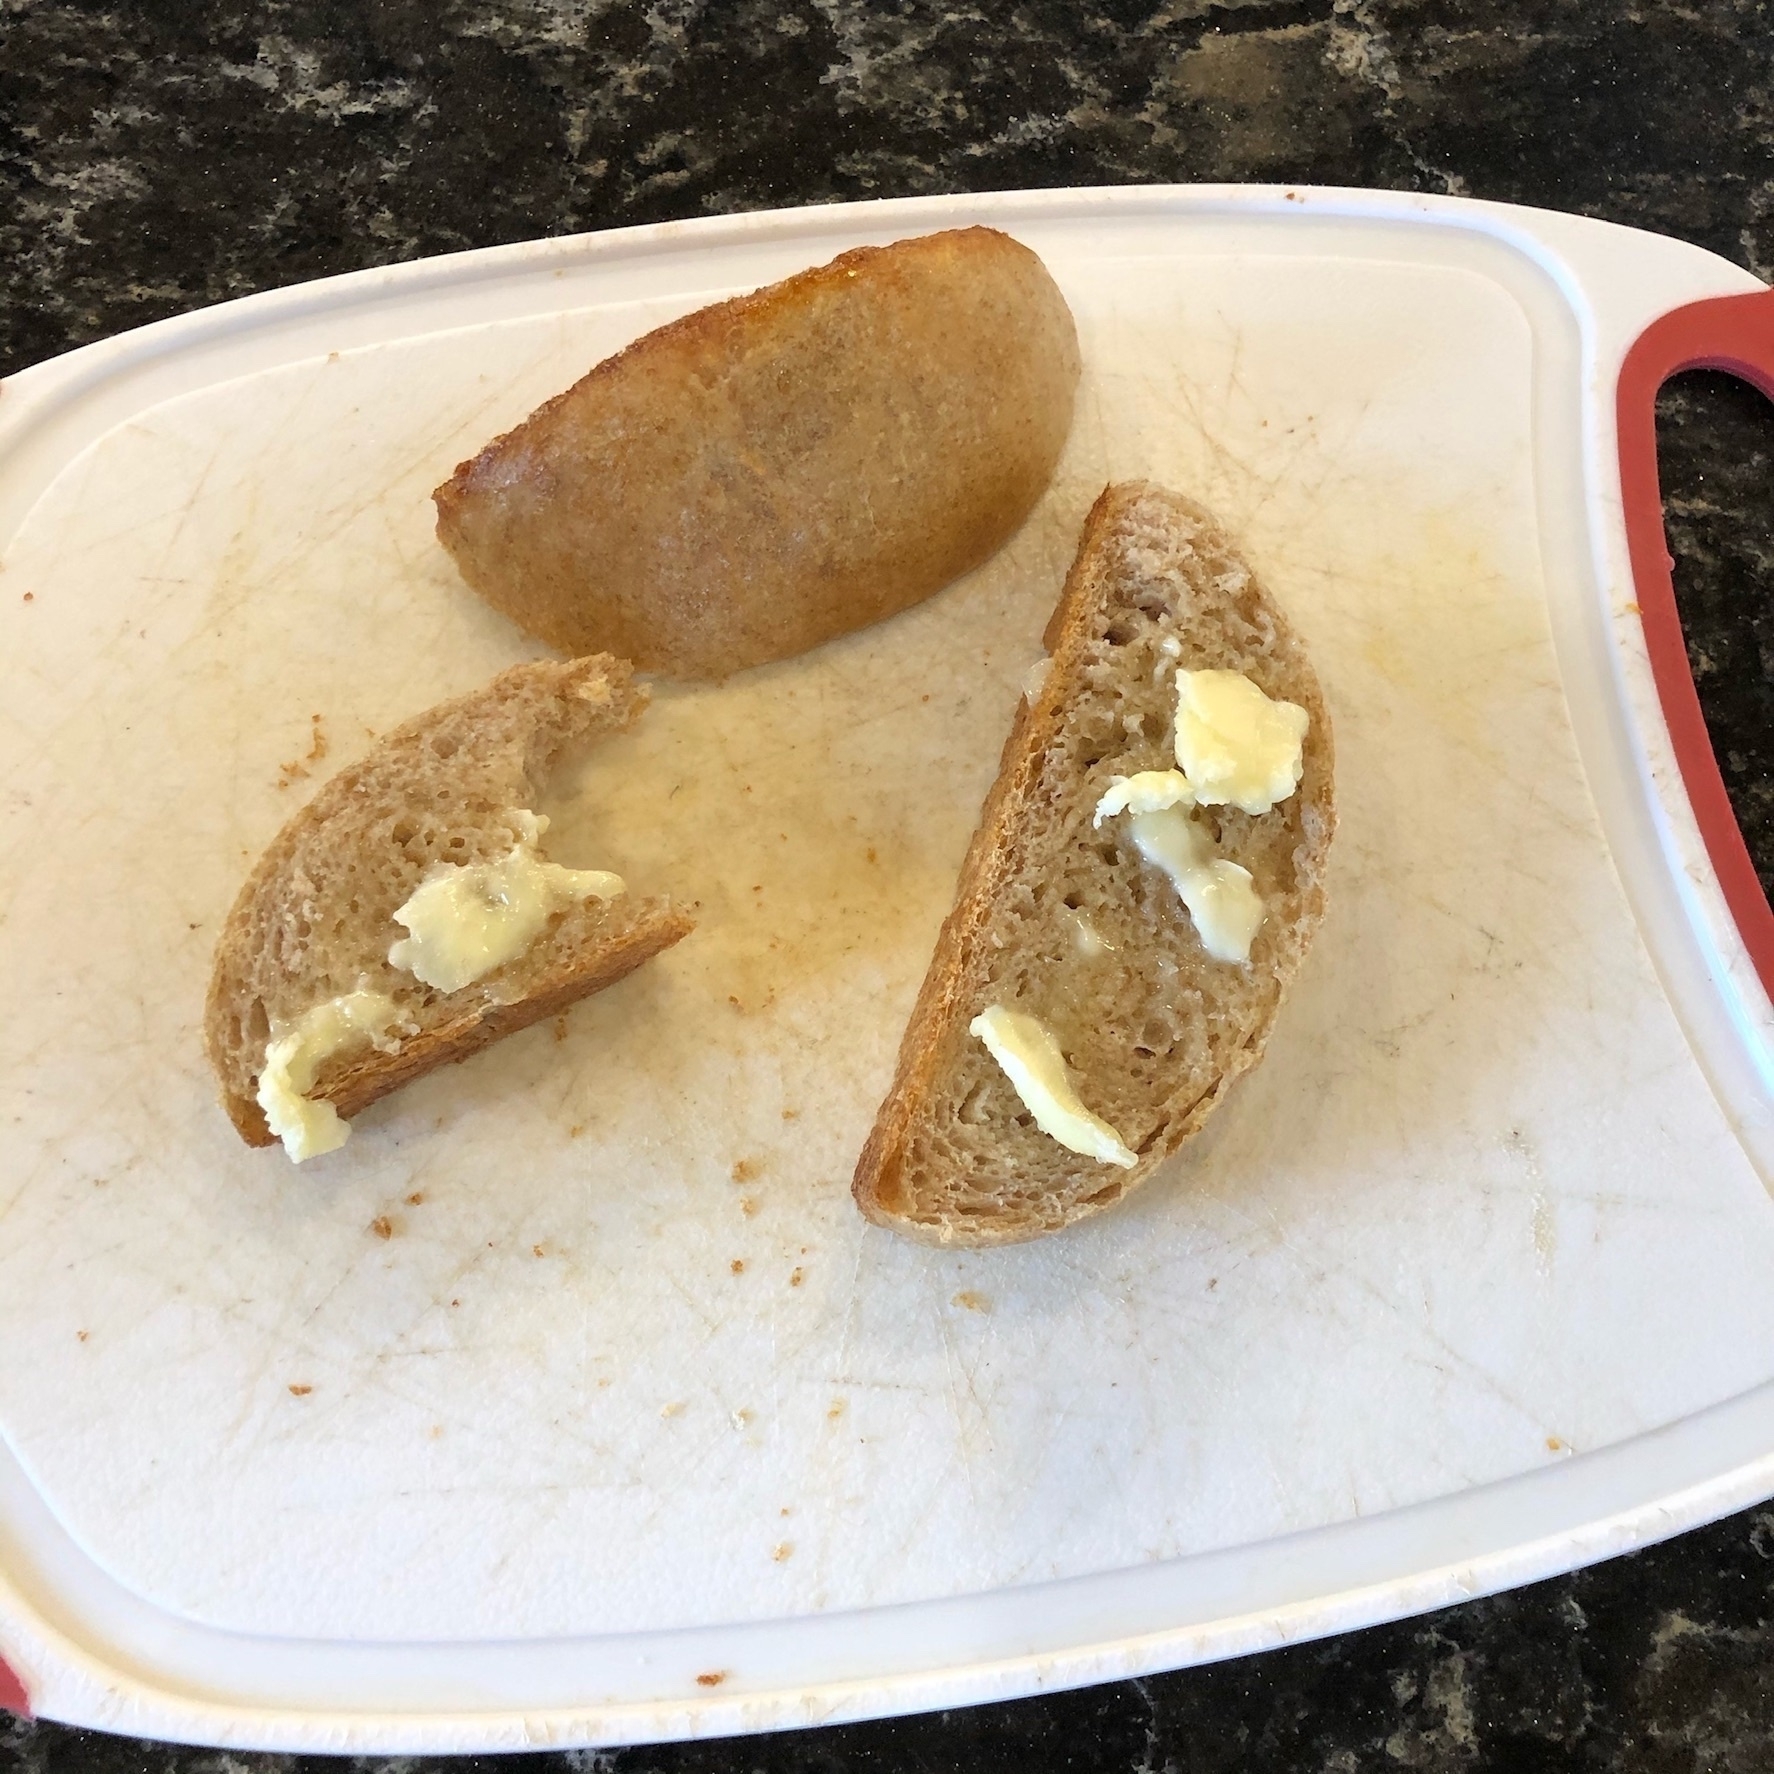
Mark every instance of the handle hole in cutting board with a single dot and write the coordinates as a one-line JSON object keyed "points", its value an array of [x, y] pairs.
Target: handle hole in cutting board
{"points": [[1715, 462]]}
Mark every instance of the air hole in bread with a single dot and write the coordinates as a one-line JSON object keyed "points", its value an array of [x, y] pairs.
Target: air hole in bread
{"points": [[443, 745]]}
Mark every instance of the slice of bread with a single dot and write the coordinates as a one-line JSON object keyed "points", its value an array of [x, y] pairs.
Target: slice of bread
{"points": [[775, 470], [1061, 919], [314, 920]]}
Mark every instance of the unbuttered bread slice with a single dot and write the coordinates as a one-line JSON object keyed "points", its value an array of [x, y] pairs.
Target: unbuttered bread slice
{"points": [[314, 920], [1060, 918], [776, 470]]}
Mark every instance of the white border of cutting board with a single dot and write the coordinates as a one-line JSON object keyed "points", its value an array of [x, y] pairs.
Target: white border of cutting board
{"points": [[87, 1651]]}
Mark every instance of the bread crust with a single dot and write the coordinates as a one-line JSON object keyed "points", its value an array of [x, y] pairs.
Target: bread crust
{"points": [[776, 470], [314, 918], [905, 1177]]}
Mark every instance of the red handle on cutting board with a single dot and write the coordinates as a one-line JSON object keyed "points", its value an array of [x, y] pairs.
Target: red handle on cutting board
{"points": [[13, 1697], [1735, 334]]}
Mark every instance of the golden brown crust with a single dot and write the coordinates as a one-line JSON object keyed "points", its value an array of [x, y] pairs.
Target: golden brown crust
{"points": [[1039, 806], [369, 1076], [775, 470], [879, 1184]]}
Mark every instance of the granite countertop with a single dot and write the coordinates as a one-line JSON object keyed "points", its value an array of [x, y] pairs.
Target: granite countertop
{"points": [[158, 155]]}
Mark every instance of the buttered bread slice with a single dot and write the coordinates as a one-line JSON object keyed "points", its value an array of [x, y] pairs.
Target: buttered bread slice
{"points": [[1146, 877], [406, 918]]}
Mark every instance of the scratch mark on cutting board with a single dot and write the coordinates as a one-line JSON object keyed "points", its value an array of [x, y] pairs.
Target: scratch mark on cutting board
{"points": [[1317, 1264], [853, 1296], [191, 501]]}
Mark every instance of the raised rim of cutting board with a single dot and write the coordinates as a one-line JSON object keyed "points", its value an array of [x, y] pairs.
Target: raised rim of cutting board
{"points": [[83, 1649]]}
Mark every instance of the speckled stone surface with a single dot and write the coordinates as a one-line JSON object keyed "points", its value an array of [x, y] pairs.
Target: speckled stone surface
{"points": [[157, 155]]}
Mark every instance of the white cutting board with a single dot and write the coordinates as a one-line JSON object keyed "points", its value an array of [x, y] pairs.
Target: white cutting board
{"points": [[572, 1401]]}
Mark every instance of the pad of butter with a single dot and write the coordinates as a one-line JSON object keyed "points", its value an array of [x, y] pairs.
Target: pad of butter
{"points": [[1219, 894], [1234, 744], [1146, 791], [465, 920], [1029, 1057], [293, 1059]]}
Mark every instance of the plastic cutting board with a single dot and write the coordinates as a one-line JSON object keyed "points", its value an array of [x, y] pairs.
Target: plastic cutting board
{"points": [[571, 1402]]}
